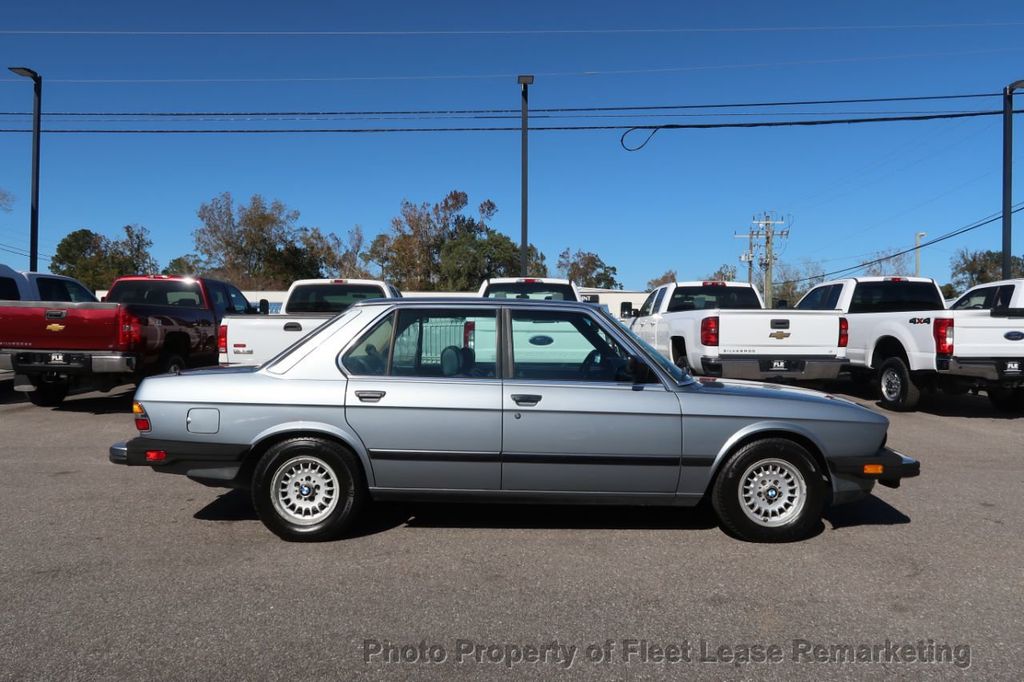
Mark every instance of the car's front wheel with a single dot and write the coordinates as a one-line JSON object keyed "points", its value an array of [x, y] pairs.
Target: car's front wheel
{"points": [[769, 491], [308, 489]]}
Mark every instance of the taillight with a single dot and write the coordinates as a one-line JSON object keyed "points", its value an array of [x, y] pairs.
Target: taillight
{"points": [[942, 330], [469, 335], [141, 418], [222, 339], [844, 332], [156, 455], [709, 331], [129, 330]]}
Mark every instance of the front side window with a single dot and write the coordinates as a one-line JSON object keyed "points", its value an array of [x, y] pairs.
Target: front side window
{"points": [[237, 302], [648, 304], [218, 294], [66, 291], [979, 299], [813, 300], [565, 346]]}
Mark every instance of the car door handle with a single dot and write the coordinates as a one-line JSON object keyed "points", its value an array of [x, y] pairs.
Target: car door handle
{"points": [[526, 399], [293, 327], [370, 396]]}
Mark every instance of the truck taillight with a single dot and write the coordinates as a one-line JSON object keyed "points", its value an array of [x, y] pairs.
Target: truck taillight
{"points": [[844, 332], [709, 331], [222, 339], [469, 334], [942, 330], [141, 418], [129, 330]]}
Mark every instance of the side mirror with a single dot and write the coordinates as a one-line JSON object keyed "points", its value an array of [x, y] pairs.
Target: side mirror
{"points": [[630, 313], [264, 306]]}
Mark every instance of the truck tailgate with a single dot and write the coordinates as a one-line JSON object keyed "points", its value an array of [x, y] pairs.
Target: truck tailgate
{"points": [[977, 334], [779, 332], [46, 325], [254, 339]]}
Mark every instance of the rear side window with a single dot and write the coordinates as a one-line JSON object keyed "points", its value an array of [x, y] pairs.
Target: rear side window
{"points": [[713, 296], [330, 298], [537, 291], [178, 293], [9, 289], [822, 298], [891, 297], [66, 291]]}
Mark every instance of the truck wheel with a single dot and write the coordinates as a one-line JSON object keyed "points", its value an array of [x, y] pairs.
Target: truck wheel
{"points": [[1009, 400], [897, 389], [308, 489], [49, 393], [769, 491], [679, 356], [172, 364]]}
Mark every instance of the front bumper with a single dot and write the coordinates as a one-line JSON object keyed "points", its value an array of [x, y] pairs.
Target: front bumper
{"points": [[75, 362], [214, 464], [758, 368], [1001, 370], [895, 466]]}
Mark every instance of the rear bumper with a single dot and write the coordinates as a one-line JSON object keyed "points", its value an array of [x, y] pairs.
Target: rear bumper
{"points": [[988, 369], [773, 367], [895, 467], [214, 464], [67, 362]]}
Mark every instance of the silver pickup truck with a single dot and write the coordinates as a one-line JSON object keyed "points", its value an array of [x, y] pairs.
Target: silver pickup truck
{"points": [[356, 411]]}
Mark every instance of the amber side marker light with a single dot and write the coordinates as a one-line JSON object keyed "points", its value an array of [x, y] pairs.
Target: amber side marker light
{"points": [[873, 468], [141, 418]]}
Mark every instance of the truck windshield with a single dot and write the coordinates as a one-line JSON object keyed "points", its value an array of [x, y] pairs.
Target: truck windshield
{"points": [[179, 293], [537, 291], [713, 296], [329, 297]]}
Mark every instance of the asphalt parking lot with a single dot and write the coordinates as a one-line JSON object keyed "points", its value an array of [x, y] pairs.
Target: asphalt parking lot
{"points": [[107, 571]]}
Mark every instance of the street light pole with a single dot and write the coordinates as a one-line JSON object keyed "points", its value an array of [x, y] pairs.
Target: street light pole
{"points": [[37, 80], [917, 253], [1008, 176], [525, 81]]}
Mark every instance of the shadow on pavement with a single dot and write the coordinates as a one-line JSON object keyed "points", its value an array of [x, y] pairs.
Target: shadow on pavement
{"points": [[438, 515], [8, 396], [871, 511], [118, 401], [938, 403]]}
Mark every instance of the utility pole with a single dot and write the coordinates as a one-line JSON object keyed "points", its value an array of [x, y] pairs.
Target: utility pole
{"points": [[765, 231], [37, 80], [525, 81], [1008, 176], [917, 253]]}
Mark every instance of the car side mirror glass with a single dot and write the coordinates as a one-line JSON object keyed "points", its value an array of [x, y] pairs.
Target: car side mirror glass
{"points": [[264, 306]]}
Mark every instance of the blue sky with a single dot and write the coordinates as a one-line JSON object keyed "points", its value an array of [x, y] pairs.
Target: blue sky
{"points": [[676, 204]]}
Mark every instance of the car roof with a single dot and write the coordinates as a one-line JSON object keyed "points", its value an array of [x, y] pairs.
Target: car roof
{"points": [[417, 301]]}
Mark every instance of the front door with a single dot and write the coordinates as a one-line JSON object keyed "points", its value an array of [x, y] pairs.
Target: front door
{"points": [[573, 419], [424, 396]]}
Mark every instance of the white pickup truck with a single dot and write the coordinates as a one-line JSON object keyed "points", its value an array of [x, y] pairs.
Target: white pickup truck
{"points": [[536, 288], [904, 339], [18, 285], [309, 303], [722, 329]]}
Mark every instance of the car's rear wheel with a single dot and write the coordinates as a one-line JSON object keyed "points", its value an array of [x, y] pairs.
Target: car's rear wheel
{"points": [[49, 393], [1009, 400], [896, 387], [769, 491], [308, 489]]}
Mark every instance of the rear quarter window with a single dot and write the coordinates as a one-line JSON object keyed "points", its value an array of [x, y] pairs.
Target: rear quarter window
{"points": [[9, 289]]}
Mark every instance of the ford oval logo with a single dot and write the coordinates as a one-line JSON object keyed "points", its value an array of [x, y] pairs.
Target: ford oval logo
{"points": [[541, 340], [1013, 336]]}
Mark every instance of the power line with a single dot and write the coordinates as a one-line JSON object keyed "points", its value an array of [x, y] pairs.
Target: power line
{"points": [[462, 129], [550, 74], [516, 32]]}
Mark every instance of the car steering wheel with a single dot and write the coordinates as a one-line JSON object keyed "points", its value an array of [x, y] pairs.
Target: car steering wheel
{"points": [[590, 362]]}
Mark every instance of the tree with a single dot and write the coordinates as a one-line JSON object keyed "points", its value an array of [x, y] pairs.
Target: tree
{"points": [[949, 291], [724, 273], [189, 264], [792, 281], [889, 262], [668, 276], [970, 268], [97, 260], [586, 269]]}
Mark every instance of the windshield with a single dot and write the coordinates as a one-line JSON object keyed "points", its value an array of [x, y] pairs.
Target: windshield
{"points": [[328, 297], [537, 291], [713, 296], [678, 375]]}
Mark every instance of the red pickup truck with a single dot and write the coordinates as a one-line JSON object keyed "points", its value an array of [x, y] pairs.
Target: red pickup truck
{"points": [[147, 325]]}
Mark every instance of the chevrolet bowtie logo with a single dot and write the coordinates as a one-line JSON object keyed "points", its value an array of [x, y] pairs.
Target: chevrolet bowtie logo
{"points": [[778, 336], [54, 327]]}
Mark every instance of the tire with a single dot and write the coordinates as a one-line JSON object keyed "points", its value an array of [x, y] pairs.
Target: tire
{"points": [[172, 364], [290, 486], [897, 390], [49, 394], [1008, 400], [777, 467], [679, 356]]}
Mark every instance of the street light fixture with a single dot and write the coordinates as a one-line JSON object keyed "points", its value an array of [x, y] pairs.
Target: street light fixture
{"points": [[37, 81], [917, 253], [1008, 175], [525, 81]]}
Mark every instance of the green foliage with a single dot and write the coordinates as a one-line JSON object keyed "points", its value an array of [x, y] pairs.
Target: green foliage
{"points": [[189, 264], [586, 269], [97, 260], [970, 268]]}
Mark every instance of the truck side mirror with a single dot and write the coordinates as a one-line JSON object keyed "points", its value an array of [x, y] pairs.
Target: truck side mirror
{"points": [[264, 306]]}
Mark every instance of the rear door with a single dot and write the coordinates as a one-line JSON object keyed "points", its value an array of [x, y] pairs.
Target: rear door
{"points": [[425, 403], [572, 418]]}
